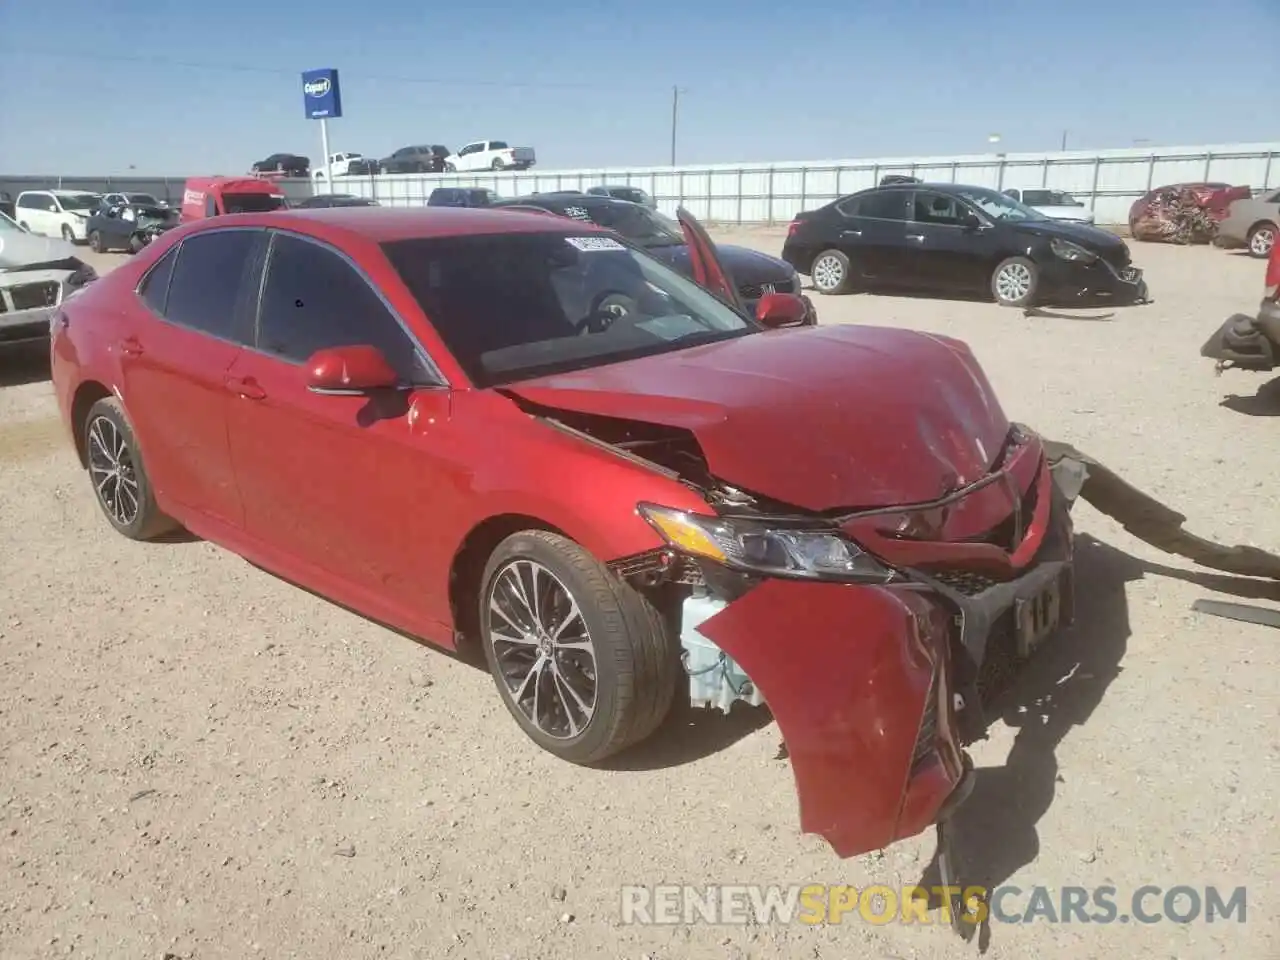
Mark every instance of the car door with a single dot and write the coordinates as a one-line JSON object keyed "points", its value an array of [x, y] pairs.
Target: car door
{"points": [[341, 488], [872, 232], [950, 254], [35, 210], [190, 324]]}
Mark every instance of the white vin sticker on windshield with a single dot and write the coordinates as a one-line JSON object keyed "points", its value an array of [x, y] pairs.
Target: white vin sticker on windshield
{"points": [[587, 244]]}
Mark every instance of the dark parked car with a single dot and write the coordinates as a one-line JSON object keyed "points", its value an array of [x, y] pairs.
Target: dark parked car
{"points": [[128, 226], [842, 521], [754, 274], [428, 158], [7, 205], [946, 237], [362, 167], [283, 165], [623, 192], [462, 197], [334, 200]]}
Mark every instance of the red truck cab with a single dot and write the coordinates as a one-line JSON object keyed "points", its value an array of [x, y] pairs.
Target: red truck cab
{"points": [[217, 196]]}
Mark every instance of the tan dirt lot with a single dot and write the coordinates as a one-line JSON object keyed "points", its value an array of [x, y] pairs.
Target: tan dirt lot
{"points": [[200, 760]]}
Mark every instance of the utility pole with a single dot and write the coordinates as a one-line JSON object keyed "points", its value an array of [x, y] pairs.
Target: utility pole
{"points": [[1064, 139], [675, 115]]}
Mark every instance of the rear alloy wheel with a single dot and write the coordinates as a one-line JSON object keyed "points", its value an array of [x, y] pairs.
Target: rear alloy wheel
{"points": [[830, 272], [1014, 282], [119, 477], [95, 242], [1262, 240], [583, 662], [497, 163]]}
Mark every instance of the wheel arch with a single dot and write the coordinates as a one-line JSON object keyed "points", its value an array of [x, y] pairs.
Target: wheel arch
{"points": [[87, 394], [468, 563]]}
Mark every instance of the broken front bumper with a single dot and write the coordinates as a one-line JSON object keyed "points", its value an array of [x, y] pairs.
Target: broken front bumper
{"points": [[875, 688], [1250, 343]]}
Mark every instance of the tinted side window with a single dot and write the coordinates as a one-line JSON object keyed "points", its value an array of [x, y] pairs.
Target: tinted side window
{"points": [[207, 279], [889, 205], [314, 299], [30, 201], [497, 145], [937, 208], [155, 286]]}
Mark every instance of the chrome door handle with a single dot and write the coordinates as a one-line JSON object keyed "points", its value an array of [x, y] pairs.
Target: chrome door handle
{"points": [[246, 387], [851, 233], [130, 347], [915, 236]]}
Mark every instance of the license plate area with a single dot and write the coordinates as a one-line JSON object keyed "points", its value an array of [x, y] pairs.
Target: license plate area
{"points": [[1038, 617]]}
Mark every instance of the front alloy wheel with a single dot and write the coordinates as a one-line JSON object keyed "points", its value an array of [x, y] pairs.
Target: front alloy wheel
{"points": [[1014, 282], [583, 662], [1262, 239]]}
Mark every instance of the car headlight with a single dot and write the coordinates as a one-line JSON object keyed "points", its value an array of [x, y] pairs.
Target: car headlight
{"points": [[762, 546], [1067, 250]]}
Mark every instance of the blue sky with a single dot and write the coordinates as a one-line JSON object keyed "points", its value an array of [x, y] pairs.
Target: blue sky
{"points": [[589, 84]]}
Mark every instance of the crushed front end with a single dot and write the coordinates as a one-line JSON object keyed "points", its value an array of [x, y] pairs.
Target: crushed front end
{"points": [[873, 636]]}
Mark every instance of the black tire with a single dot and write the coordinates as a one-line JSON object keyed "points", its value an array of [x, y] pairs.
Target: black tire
{"points": [[1015, 281], [1261, 240], [635, 658], [831, 272], [106, 418], [450, 168], [136, 243], [68, 234], [95, 242], [497, 164]]}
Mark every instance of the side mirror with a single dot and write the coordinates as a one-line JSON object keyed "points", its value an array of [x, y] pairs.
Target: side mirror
{"points": [[349, 371], [971, 221], [781, 310]]}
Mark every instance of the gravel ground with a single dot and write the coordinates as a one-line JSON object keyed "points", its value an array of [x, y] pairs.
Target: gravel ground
{"points": [[200, 760]]}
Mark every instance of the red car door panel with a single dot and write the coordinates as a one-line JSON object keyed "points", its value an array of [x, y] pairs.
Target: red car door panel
{"points": [[346, 484], [173, 369]]}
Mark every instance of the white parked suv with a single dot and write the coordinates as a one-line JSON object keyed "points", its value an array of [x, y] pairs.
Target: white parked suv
{"points": [[56, 213], [490, 155]]}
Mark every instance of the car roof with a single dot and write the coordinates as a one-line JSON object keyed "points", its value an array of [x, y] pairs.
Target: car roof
{"points": [[385, 224]]}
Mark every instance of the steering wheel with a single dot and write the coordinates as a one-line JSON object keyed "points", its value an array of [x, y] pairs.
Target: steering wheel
{"points": [[607, 309]]}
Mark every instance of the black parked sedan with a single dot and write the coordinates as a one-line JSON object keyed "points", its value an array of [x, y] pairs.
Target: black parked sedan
{"points": [[754, 273], [127, 226], [946, 237]]}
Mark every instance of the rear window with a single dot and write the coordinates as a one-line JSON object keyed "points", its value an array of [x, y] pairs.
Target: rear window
{"points": [[497, 145], [251, 202]]}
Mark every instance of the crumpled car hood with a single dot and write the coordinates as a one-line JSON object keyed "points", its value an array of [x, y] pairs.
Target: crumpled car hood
{"points": [[19, 248], [820, 418]]}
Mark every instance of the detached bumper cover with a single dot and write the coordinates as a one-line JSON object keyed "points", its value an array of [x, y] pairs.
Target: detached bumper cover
{"points": [[1250, 343], [861, 679]]}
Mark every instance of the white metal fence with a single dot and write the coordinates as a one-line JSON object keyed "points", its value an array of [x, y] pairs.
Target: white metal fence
{"points": [[1106, 181]]}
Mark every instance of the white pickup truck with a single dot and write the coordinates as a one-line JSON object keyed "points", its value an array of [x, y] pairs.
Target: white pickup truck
{"points": [[1055, 204], [489, 155]]}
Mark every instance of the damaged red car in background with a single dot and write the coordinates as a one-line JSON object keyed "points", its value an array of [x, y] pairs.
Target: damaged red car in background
{"points": [[522, 430]]}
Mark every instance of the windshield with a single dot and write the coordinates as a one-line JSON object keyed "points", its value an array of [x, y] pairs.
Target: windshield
{"points": [[78, 201], [640, 225], [998, 206], [518, 305], [630, 194], [251, 202], [145, 199]]}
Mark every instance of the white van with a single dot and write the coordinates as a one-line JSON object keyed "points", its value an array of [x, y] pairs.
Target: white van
{"points": [[57, 213]]}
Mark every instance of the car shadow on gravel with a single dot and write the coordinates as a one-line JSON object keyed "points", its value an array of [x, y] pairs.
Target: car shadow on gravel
{"points": [[1264, 403], [995, 832], [28, 363], [689, 734]]}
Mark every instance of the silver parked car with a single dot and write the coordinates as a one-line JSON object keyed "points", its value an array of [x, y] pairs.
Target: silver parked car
{"points": [[36, 274], [1252, 223]]}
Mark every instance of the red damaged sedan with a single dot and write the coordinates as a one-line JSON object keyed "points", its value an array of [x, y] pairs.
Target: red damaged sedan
{"points": [[526, 431]]}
